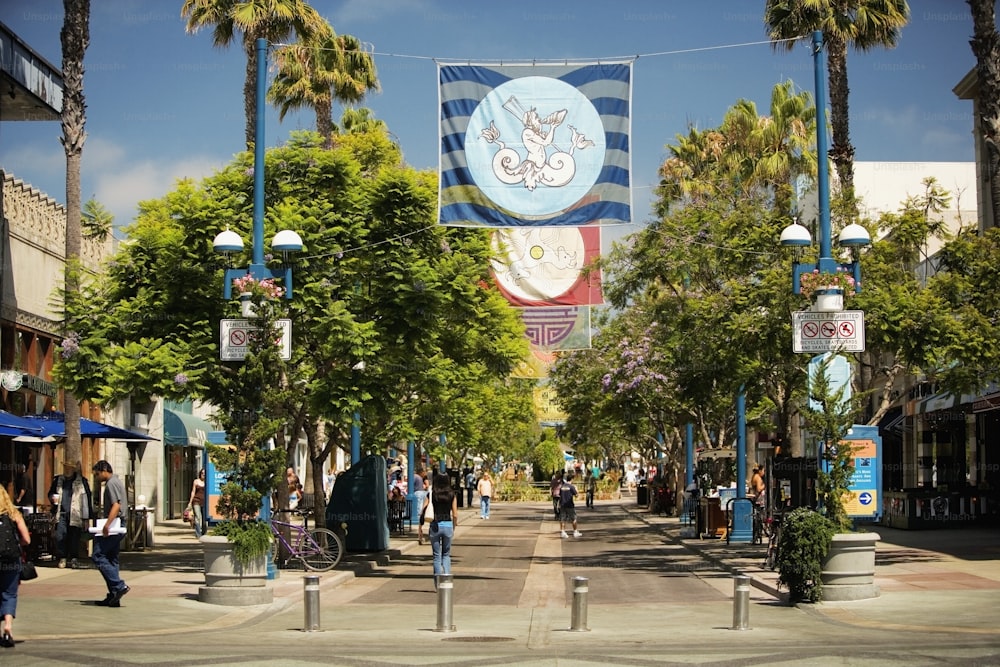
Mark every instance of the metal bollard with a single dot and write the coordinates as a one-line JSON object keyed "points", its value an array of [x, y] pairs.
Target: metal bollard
{"points": [[445, 587], [578, 622], [311, 605], [741, 602]]}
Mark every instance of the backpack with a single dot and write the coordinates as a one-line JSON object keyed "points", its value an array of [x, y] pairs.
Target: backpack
{"points": [[10, 546]]}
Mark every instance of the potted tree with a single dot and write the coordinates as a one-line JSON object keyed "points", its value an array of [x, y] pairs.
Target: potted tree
{"points": [[821, 556], [236, 548]]}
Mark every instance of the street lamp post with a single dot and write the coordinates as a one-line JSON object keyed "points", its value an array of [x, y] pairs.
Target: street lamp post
{"points": [[285, 241], [853, 236]]}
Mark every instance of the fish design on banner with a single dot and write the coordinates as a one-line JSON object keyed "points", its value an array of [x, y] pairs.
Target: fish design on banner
{"points": [[535, 145]]}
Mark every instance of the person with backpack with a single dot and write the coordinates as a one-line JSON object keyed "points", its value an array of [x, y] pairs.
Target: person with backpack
{"points": [[13, 535], [567, 508]]}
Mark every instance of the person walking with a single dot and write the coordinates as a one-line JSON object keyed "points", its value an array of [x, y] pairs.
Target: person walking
{"points": [[108, 541], [14, 536], [73, 506], [590, 483], [567, 507], [554, 485], [445, 506], [485, 491], [470, 486], [758, 487], [421, 490], [196, 503]]}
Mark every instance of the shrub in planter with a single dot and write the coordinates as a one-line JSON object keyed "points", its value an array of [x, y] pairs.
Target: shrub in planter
{"points": [[804, 542], [251, 539]]}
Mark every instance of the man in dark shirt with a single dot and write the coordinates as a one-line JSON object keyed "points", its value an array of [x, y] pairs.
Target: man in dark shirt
{"points": [[108, 542], [567, 508], [24, 496]]}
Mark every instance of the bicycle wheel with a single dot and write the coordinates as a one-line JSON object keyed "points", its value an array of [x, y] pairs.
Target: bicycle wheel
{"points": [[322, 552]]}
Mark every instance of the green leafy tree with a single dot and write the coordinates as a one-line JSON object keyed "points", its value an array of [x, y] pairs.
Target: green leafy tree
{"points": [[830, 416], [248, 412], [707, 270], [547, 458], [97, 220], [379, 283]]}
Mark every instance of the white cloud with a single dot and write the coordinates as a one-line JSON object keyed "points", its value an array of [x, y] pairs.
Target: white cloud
{"points": [[120, 186]]}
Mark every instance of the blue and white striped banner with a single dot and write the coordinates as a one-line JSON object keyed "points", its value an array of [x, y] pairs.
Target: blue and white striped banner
{"points": [[535, 145]]}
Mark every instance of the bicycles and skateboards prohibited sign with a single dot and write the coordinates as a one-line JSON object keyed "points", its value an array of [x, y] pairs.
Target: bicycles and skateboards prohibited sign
{"points": [[234, 335], [842, 331]]}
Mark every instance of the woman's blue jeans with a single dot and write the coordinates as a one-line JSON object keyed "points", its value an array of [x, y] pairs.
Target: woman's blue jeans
{"points": [[441, 534], [10, 578]]}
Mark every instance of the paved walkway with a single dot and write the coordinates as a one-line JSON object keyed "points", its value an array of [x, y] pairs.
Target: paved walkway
{"points": [[933, 581], [942, 580]]}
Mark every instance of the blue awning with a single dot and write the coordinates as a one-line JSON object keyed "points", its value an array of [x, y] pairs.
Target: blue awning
{"points": [[53, 425], [182, 429], [12, 426]]}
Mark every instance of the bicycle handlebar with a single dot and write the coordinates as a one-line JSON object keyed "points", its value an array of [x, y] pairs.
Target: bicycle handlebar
{"points": [[288, 510]]}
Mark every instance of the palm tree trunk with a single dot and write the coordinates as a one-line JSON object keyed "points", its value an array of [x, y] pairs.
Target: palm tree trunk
{"points": [[324, 122], [250, 90], [841, 150], [75, 37], [986, 47]]}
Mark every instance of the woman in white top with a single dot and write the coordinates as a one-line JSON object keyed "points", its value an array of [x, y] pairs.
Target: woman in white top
{"points": [[485, 491]]}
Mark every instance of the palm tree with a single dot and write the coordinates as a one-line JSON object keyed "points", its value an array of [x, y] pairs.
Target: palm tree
{"points": [[315, 73], [773, 150], [360, 121], [865, 24], [986, 47], [273, 20], [75, 37], [751, 150]]}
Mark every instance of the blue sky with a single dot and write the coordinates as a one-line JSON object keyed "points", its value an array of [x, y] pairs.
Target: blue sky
{"points": [[163, 104]]}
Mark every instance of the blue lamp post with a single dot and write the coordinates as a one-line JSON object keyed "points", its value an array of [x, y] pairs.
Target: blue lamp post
{"points": [[286, 241], [852, 237]]}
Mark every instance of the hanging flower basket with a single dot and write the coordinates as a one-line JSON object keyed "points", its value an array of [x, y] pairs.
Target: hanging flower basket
{"points": [[250, 286], [814, 283]]}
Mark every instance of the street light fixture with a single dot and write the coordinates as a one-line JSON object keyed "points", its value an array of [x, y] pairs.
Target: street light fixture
{"points": [[797, 237], [286, 241]]}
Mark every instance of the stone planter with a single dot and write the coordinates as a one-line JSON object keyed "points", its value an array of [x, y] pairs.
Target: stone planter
{"points": [[229, 582], [848, 571]]}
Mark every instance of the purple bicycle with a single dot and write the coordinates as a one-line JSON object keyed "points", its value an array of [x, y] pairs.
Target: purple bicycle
{"points": [[319, 549]]}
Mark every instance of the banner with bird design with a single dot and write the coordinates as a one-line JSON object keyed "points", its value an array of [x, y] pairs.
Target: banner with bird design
{"points": [[535, 145]]}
